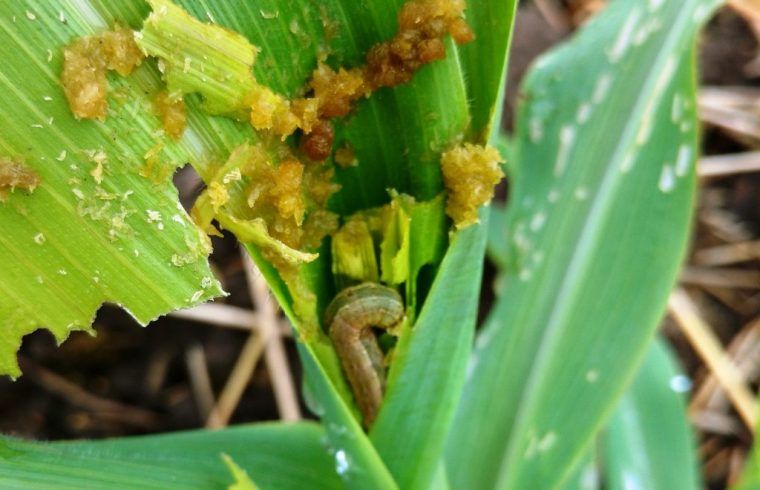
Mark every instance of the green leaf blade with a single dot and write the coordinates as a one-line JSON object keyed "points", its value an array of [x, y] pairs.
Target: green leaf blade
{"points": [[427, 374], [648, 442], [356, 461], [399, 134], [585, 475], [283, 64], [276, 456], [484, 62], [77, 242], [750, 478], [596, 228]]}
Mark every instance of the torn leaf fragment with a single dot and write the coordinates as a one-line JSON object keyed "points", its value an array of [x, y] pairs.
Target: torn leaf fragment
{"points": [[353, 253], [199, 58]]}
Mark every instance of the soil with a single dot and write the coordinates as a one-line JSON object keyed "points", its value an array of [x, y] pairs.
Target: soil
{"points": [[66, 391]]}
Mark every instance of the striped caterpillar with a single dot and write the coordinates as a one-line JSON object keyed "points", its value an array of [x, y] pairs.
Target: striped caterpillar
{"points": [[350, 318]]}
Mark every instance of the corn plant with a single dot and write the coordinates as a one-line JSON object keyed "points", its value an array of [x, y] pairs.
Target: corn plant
{"points": [[370, 175]]}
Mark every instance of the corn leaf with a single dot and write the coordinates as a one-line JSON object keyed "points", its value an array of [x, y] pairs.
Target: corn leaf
{"points": [[428, 373], [596, 226], [750, 478], [416, 416], [356, 460], [648, 442], [276, 456], [397, 136], [290, 37], [585, 475], [494, 246], [94, 230], [484, 63]]}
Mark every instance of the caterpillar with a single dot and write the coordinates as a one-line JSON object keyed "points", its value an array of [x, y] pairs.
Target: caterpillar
{"points": [[350, 318]]}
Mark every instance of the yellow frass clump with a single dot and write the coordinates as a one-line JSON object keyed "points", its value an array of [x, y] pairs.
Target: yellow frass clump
{"points": [[270, 198], [271, 111], [275, 196], [171, 110], [317, 226], [422, 25], [470, 173], [120, 51], [14, 175], [307, 112], [336, 91], [218, 195], [85, 63], [285, 197], [345, 156], [286, 191]]}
